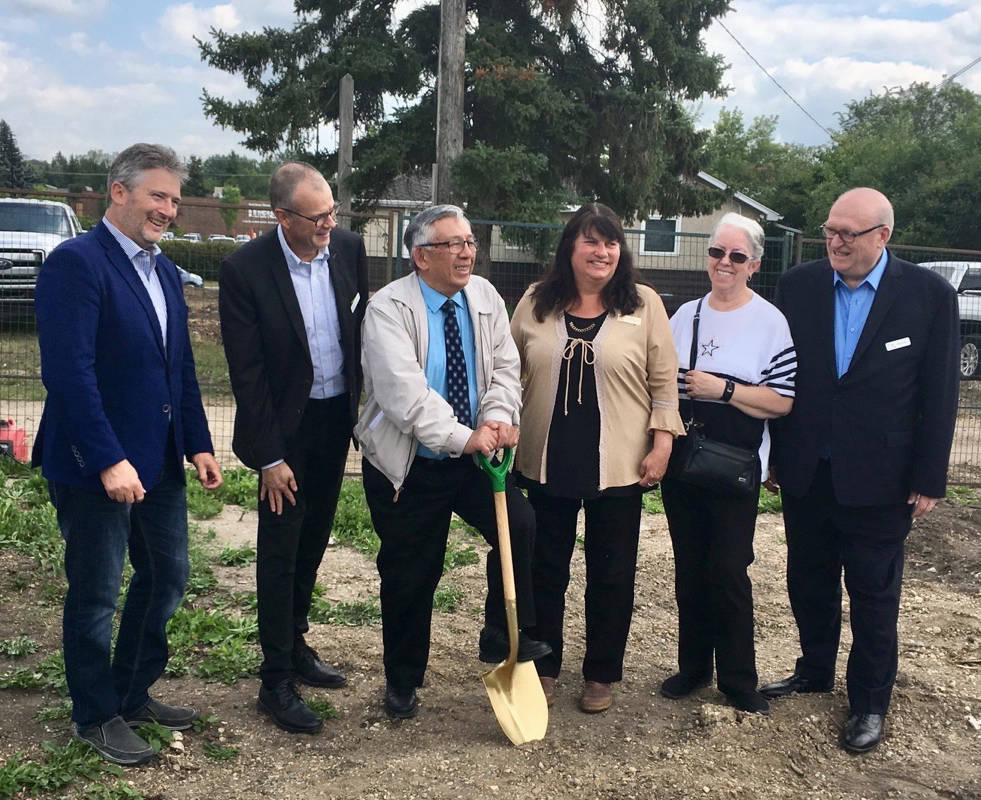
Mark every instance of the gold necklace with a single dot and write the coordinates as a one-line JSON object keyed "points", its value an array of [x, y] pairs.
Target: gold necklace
{"points": [[577, 329]]}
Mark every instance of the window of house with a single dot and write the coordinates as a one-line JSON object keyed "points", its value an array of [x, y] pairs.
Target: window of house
{"points": [[659, 236]]}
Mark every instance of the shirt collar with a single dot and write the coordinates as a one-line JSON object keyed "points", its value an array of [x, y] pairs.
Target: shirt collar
{"points": [[873, 278], [130, 248], [434, 300], [292, 259]]}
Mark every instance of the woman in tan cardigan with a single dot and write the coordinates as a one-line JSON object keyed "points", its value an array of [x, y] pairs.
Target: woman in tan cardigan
{"points": [[598, 374]]}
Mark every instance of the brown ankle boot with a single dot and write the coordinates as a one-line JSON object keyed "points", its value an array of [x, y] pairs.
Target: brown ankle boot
{"points": [[596, 697]]}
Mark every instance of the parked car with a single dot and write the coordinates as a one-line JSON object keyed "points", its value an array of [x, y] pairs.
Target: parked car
{"points": [[191, 237], [189, 278], [220, 237], [965, 277], [167, 236], [29, 231], [241, 238]]}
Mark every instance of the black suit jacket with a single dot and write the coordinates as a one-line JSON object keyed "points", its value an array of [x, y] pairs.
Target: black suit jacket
{"points": [[266, 343], [889, 420]]}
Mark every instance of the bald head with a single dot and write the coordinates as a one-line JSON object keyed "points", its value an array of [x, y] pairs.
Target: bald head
{"points": [[287, 177], [859, 225], [871, 202]]}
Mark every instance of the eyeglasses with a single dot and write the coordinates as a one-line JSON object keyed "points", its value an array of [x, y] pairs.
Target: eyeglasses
{"points": [[455, 246], [320, 220], [734, 255], [847, 236]]}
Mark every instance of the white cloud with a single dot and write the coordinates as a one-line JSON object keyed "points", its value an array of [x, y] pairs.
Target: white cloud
{"points": [[70, 8], [179, 24]]}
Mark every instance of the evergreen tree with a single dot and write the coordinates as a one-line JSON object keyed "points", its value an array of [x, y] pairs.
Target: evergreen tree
{"points": [[195, 185], [15, 173]]}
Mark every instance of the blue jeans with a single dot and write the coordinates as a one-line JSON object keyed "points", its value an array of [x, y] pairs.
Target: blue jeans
{"points": [[97, 531]]}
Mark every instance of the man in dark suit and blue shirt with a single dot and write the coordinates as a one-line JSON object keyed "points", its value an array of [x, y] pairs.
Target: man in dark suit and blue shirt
{"points": [[291, 305], [864, 451], [123, 409]]}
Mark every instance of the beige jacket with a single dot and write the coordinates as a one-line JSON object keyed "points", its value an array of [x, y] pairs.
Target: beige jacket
{"points": [[636, 385], [401, 410]]}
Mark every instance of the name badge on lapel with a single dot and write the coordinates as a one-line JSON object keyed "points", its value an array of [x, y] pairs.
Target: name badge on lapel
{"points": [[896, 344], [355, 301], [630, 320]]}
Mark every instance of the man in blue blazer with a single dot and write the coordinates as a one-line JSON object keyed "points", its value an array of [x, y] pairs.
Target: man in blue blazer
{"points": [[864, 451], [123, 409]]}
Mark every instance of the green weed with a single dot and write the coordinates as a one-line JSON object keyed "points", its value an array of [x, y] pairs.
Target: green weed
{"points": [[322, 707], [770, 503], [156, 735], [201, 504], [120, 790], [48, 673], [962, 495], [237, 556], [458, 554], [360, 612], [229, 661], [60, 766], [202, 578], [221, 645], [240, 487], [352, 522], [61, 711], [18, 646], [219, 752], [447, 598], [652, 502]]}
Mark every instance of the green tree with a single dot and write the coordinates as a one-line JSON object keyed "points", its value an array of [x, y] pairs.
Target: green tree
{"points": [[195, 185], [562, 103], [231, 199], [15, 172], [77, 173], [921, 146]]}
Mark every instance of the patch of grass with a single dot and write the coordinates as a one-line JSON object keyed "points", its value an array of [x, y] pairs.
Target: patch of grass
{"points": [[770, 503], [237, 556], [215, 645], [239, 487], [229, 661], [120, 790], [352, 522], [201, 504], [219, 752], [156, 735], [322, 707], [360, 612], [18, 646], [457, 524], [202, 578], [458, 554], [447, 598], [61, 711], [652, 502], [962, 495], [60, 765], [48, 673], [203, 723]]}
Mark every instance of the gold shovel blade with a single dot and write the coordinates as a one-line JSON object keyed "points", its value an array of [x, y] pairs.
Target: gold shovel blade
{"points": [[518, 700]]}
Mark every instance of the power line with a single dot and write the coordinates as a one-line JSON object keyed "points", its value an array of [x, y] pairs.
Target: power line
{"points": [[959, 72], [775, 81]]}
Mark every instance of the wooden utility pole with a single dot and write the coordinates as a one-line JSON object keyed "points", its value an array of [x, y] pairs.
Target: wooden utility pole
{"points": [[345, 150], [449, 104]]}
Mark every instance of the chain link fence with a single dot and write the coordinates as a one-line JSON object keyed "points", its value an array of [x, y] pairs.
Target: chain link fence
{"points": [[511, 255]]}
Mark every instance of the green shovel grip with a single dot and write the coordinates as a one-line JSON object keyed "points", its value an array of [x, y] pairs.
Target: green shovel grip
{"points": [[499, 473]]}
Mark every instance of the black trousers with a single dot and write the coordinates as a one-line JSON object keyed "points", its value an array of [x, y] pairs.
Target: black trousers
{"points": [[290, 546], [612, 532], [868, 543], [413, 532], [712, 537]]}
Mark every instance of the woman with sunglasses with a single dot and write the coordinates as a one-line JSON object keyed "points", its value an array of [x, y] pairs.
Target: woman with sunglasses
{"points": [[743, 374], [600, 415]]}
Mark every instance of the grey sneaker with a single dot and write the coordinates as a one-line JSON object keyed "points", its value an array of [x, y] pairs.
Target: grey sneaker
{"points": [[116, 742], [175, 718]]}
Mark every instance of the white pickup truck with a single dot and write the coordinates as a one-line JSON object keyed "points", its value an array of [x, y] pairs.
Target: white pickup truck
{"points": [[965, 277], [29, 231]]}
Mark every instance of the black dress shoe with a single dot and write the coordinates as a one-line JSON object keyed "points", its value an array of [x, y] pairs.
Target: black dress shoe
{"points": [[795, 684], [681, 685], [494, 646], [399, 704], [287, 709], [750, 702], [862, 732], [309, 669]]}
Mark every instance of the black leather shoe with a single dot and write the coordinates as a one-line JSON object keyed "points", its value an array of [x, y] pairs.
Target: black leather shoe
{"points": [[287, 709], [175, 718], [399, 704], [862, 732], [750, 702], [795, 684], [309, 669], [680, 685], [494, 646]]}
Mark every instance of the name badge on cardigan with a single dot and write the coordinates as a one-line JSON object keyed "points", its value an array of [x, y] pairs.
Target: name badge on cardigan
{"points": [[630, 320], [895, 344]]}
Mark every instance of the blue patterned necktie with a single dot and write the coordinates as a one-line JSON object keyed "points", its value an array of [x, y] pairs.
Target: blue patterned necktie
{"points": [[457, 385]]}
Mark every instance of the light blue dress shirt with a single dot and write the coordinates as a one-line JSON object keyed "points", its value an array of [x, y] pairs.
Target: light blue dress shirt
{"points": [[852, 310], [436, 357], [318, 307], [145, 264]]}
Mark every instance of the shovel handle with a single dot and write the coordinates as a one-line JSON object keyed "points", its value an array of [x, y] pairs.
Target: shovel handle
{"points": [[499, 473]]}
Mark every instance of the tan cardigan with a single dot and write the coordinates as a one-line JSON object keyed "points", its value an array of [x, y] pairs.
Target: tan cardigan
{"points": [[636, 385]]}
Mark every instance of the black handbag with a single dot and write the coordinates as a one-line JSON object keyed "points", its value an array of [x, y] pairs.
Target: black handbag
{"points": [[705, 462]]}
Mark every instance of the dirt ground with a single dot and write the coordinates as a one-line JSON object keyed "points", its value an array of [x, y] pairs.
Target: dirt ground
{"points": [[644, 747]]}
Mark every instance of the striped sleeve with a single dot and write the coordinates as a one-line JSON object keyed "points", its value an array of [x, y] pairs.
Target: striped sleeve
{"points": [[781, 373]]}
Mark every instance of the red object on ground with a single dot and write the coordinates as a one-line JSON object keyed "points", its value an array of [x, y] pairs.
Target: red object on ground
{"points": [[13, 441]]}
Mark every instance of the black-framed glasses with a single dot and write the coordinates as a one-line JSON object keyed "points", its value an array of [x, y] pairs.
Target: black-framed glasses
{"points": [[734, 255], [847, 236], [320, 220], [455, 246]]}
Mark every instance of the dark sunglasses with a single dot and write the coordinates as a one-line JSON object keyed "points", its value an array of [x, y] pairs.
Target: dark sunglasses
{"points": [[734, 255]]}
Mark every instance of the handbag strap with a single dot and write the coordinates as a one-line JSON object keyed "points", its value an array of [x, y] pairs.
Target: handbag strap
{"points": [[693, 356]]}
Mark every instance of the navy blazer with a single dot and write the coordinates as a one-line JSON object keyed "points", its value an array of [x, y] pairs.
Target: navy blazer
{"points": [[266, 343], [113, 390], [889, 420]]}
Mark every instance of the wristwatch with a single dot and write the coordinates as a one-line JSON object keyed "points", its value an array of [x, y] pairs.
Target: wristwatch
{"points": [[727, 392]]}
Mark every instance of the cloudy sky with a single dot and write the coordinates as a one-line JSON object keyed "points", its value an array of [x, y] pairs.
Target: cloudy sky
{"points": [[77, 75]]}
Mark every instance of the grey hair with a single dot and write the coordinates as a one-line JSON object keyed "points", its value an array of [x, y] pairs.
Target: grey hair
{"points": [[286, 178], [136, 159], [752, 229], [420, 227]]}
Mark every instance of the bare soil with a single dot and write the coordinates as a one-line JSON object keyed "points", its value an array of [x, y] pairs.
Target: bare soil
{"points": [[644, 747]]}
